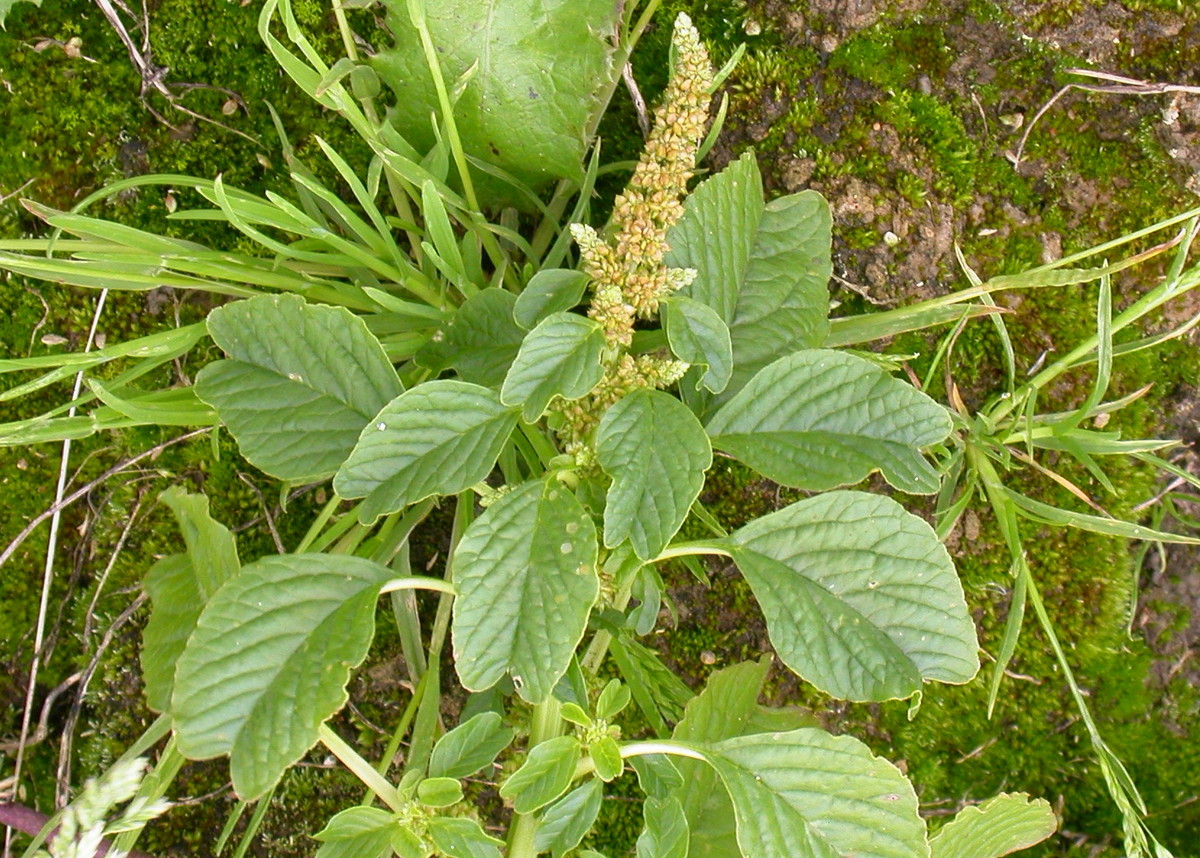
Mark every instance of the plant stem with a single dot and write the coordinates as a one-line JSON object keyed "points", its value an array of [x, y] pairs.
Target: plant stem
{"points": [[363, 770], [546, 724]]}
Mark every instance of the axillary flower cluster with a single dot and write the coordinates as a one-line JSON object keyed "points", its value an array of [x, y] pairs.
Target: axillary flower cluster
{"points": [[629, 280]]}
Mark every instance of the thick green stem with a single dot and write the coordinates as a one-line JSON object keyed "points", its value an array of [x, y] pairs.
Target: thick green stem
{"points": [[546, 725]]}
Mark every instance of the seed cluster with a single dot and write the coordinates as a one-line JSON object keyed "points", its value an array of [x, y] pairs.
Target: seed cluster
{"points": [[626, 270], [628, 277]]}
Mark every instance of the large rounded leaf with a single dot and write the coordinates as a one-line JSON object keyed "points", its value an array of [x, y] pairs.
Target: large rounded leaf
{"points": [[525, 572], [437, 439], [656, 452], [820, 419], [860, 597], [269, 661], [301, 383], [807, 794], [529, 73]]}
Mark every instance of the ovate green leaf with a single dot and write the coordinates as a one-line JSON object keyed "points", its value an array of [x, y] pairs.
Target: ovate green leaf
{"points": [[180, 585], [665, 834], [439, 792], [860, 597], [998, 826], [656, 452], [538, 67], [480, 342], [820, 419], [470, 746], [544, 776], [807, 794], [559, 357], [436, 439], [606, 755], [700, 337], [301, 382], [550, 290], [721, 711], [358, 832], [763, 268], [784, 302], [716, 234], [462, 838], [525, 571], [568, 820], [269, 660]]}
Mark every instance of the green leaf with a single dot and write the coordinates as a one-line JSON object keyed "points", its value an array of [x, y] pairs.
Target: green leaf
{"points": [[998, 826], [301, 383], [526, 577], [480, 342], [358, 832], [436, 439], [180, 585], [860, 597], [820, 419], [539, 68], [559, 357], [269, 661], [721, 711], [550, 290], [6, 5], [666, 831], [544, 776], [762, 268], [439, 792], [700, 337], [612, 700], [716, 234], [470, 746], [566, 822], [656, 452], [657, 775], [462, 838], [807, 793], [606, 755]]}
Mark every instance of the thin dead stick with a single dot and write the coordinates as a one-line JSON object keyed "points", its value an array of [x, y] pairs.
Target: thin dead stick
{"points": [[42, 730], [1116, 84], [154, 76], [67, 739], [83, 490], [48, 569]]}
